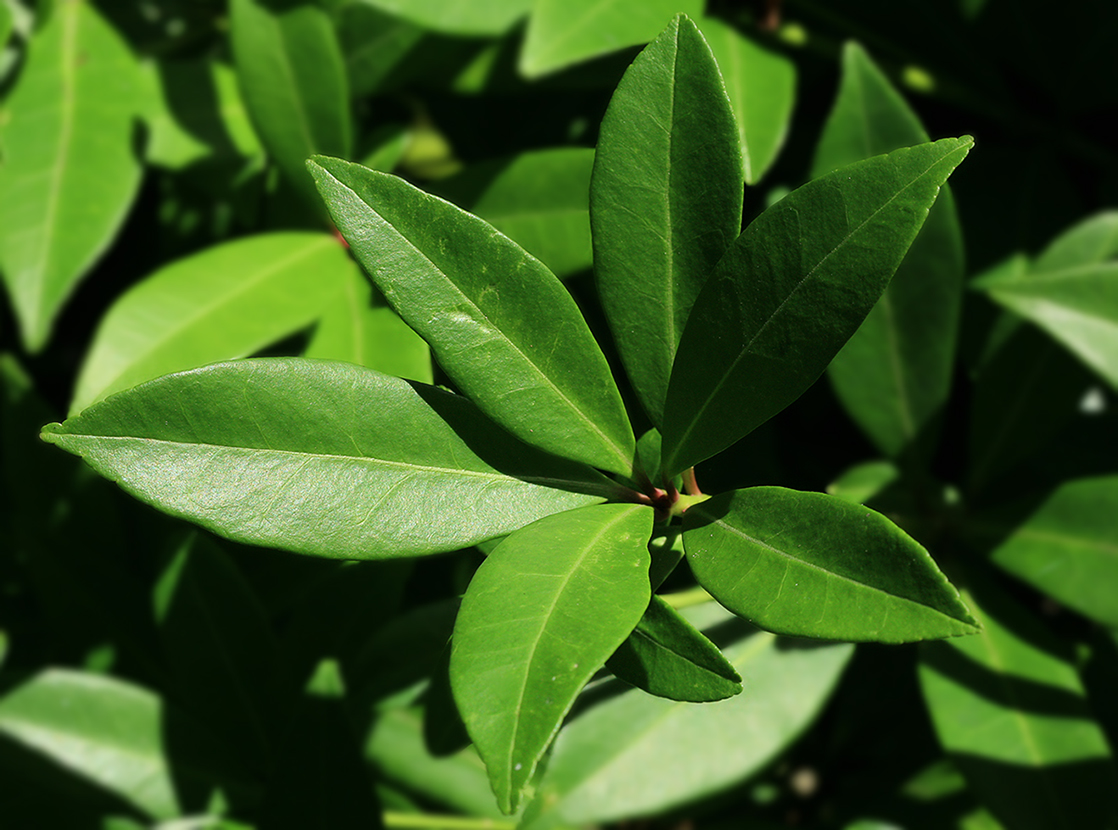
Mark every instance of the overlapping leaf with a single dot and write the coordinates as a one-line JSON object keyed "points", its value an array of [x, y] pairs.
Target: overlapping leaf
{"points": [[665, 200], [457, 18], [817, 566], [789, 293], [69, 172], [541, 615], [323, 458], [499, 323]]}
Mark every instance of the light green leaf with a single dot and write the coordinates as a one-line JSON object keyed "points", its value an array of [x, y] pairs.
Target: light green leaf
{"points": [[894, 375], [761, 84], [457, 17], [69, 174], [1065, 544], [790, 292], [1072, 293], [862, 482], [499, 323], [813, 565], [323, 458], [5, 24], [227, 301], [1009, 708], [103, 730], [537, 199], [563, 32], [639, 755], [541, 615], [359, 329], [293, 80], [665, 200], [666, 656]]}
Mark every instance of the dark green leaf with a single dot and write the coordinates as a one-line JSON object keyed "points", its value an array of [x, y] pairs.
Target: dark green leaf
{"points": [[374, 44], [1009, 707], [293, 80], [225, 302], [894, 375], [790, 292], [817, 566], [499, 323], [69, 172], [666, 656], [761, 84], [665, 200], [638, 755], [541, 615], [563, 32], [537, 199], [323, 458], [469, 19]]}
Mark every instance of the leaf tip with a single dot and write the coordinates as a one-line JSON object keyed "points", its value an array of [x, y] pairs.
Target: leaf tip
{"points": [[49, 433]]}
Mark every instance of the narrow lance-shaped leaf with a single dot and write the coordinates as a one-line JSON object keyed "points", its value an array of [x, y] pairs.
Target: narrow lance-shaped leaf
{"points": [[225, 302], [667, 656], [894, 375], [1010, 709], [761, 84], [324, 458], [813, 565], [665, 200], [69, 173], [499, 323], [293, 80], [789, 293], [541, 615]]}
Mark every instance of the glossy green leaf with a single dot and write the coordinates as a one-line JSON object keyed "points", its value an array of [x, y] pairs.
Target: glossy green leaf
{"points": [[665, 200], [634, 754], [225, 302], [1072, 293], [499, 323], [563, 32], [813, 565], [492, 17], [324, 458], [357, 328], [537, 199], [789, 293], [1009, 708], [293, 79], [103, 730], [1066, 545], [894, 374], [761, 84], [70, 173], [541, 615], [666, 656]]}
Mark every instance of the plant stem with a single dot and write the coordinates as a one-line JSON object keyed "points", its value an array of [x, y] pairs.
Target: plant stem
{"points": [[690, 485], [394, 819], [685, 599]]}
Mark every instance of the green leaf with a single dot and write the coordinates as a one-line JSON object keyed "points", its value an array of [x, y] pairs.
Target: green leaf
{"points": [[813, 565], [790, 291], [563, 32], [69, 174], [499, 323], [225, 302], [374, 44], [293, 80], [1009, 708], [861, 483], [537, 199], [1065, 546], [639, 755], [322, 458], [492, 17], [761, 84], [666, 656], [1072, 292], [894, 375], [665, 200], [541, 615], [100, 729]]}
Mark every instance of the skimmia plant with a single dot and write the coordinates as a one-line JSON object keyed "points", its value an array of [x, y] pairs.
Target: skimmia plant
{"points": [[718, 330]]}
